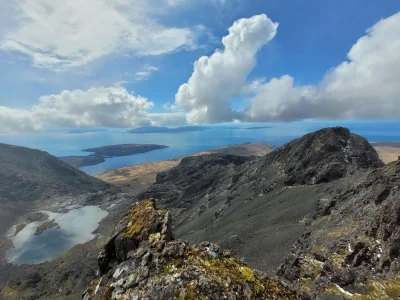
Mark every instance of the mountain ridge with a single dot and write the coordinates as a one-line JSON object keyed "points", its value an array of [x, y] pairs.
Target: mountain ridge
{"points": [[321, 213]]}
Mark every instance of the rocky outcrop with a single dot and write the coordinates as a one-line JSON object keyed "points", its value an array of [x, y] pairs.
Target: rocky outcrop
{"points": [[143, 261], [352, 248], [323, 156]]}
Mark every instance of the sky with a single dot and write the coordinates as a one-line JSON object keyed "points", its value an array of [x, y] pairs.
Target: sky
{"points": [[132, 63]]}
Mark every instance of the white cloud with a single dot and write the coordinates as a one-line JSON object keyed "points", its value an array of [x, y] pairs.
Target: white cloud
{"points": [[168, 119], [64, 34], [217, 79], [366, 86], [170, 107], [145, 73], [96, 107], [17, 120]]}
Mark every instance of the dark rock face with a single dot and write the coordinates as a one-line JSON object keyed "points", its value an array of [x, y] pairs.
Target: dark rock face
{"points": [[258, 206], [355, 245], [323, 156], [142, 261]]}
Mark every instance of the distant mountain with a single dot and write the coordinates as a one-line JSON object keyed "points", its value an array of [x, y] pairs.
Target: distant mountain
{"points": [[156, 129], [86, 130]]}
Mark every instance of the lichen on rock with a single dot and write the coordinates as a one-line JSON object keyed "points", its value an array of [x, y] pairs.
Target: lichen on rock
{"points": [[143, 261]]}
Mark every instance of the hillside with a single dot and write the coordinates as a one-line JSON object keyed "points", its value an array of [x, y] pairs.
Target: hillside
{"points": [[30, 176], [34, 181], [138, 177], [319, 215], [258, 206]]}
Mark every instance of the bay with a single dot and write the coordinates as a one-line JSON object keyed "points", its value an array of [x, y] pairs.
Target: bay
{"points": [[62, 143]]}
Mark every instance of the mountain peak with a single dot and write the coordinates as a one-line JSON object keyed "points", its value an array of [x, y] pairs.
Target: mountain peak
{"points": [[323, 156]]}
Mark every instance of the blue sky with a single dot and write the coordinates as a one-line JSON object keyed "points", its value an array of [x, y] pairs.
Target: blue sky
{"points": [[153, 53]]}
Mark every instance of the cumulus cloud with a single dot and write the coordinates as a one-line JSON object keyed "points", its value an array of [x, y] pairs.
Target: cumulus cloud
{"points": [[96, 107], [64, 34], [217, 79], [366, 86], [17, 120]]}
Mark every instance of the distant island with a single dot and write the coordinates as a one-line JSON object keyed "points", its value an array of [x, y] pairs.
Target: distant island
{"points": [[250, 128], [101, 153], [85, 130], [156, 129], [259, 127]]}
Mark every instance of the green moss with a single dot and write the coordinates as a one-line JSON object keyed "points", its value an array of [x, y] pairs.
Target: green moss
{"points": [[281, 171], [191, 295], [382, 289], [317, 145], [333, 290], [336, 234], [247, 273], [343, 252], [140, 218], [377, 289]]}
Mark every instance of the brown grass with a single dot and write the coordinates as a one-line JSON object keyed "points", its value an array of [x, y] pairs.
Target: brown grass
{"points": [[387, 152], [138, 177]]}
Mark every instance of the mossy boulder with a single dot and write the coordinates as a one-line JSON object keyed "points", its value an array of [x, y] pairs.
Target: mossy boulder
{"points": [[143, 261]]}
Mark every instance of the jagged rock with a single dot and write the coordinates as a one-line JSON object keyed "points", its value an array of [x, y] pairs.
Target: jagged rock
{"points": [[142, 261], [263, 202], [360, 240], [323, 156]]}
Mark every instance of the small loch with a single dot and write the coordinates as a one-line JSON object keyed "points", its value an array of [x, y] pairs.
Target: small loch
{"points": [[73, 227]]}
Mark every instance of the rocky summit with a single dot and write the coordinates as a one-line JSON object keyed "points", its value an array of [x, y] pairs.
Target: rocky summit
{"points": [[323, 156], [143, 261]]}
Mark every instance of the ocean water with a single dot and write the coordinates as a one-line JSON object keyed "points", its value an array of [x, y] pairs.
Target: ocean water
{"points": [[62, 143], [75, 227]]}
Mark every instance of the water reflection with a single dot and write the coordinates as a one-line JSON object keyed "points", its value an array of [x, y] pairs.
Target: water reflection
{"points": [[74, 227]]}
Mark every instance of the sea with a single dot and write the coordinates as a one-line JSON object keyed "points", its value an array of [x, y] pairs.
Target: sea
{"points": [[65, 142]]}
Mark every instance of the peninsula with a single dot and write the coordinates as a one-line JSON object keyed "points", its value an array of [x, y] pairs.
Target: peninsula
{"points": [[101, 153]]}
